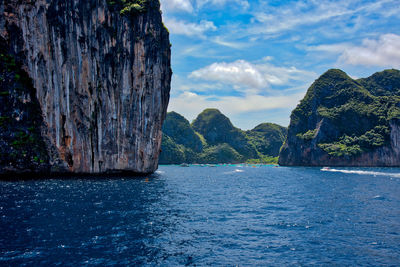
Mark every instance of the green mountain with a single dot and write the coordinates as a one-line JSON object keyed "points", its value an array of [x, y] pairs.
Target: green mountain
{"points": [[212, 138], [180, 143], [218, 129], [346, 122], [180, 130], [268, 138]]}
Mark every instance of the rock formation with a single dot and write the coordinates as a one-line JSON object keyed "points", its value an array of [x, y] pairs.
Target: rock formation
{"points": [[212, 138], [100, 74], [346, 122], [268, 138]]}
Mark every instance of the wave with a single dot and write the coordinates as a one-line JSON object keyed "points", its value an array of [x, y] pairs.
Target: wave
{"points": [[235, 171], [397, 175]]}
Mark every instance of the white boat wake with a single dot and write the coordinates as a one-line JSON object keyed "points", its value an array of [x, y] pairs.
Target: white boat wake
{"points": [[235, 171], [397, 175]]}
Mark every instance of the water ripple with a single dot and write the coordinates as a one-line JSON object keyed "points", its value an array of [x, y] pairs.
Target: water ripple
{"points": [[229, 215]]}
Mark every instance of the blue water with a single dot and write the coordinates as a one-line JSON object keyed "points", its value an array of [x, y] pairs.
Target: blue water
{"points": [[229, 215]]}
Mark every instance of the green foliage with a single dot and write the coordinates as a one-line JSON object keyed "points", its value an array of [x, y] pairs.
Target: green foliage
{"points": [[165, 27], [340, 150], [267, 138], [216, 128], [171, 153], [217, 140], [22, 139], [333, 89], [309, 135], [222, 153], [263, 160], [384, 83], [373, 138], [355, 114], [129, 7], [178, 128], [202, 139]]}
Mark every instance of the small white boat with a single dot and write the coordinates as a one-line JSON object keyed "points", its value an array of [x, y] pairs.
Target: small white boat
{"points": [[325, 169]]}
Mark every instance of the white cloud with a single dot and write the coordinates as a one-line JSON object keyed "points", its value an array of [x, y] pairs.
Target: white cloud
{"points": [[239, 72], [176, 5], [278, 20], [180, 84], [242, 3], [208, 88], [236, 45], [384, 51], [191, 104], [246, 75], [189, 29]]}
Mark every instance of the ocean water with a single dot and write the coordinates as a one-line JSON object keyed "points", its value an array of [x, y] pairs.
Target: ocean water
{"points": [[196, 216]]}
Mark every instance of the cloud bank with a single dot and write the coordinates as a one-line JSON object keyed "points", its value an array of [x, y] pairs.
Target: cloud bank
{"points": [[382, 52], [242, 73]]}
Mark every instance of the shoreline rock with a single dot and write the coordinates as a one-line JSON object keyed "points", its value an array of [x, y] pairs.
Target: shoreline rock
{"points": [[346, 122]]}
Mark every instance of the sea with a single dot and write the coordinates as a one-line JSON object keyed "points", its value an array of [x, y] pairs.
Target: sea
{"points": [[215, 215]]}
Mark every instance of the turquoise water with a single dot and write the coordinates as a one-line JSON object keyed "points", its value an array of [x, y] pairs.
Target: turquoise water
{"points": [[225, 215]]}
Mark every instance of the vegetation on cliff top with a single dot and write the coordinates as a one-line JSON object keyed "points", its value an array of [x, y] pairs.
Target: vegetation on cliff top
{"points": [[128, 7], [267, 138], [212, 138], [358, 112], [218, 129]]}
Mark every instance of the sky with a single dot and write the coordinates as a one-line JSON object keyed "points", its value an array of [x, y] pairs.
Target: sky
{"points": [[254, 60]]}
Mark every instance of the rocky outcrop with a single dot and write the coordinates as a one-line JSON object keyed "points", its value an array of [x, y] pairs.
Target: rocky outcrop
{"points": [[212, 138], [101, 70], [218, 129], [179, 129], [346, 122], [268, 138]]}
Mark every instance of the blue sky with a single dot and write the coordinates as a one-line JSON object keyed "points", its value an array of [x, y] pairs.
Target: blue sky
{"points": [[254, 60]]}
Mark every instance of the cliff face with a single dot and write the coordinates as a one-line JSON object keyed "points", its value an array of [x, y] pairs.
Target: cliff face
{"points": [[346, 122], [102, 79]]}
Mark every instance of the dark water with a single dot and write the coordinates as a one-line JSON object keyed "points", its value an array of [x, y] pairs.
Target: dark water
{"points": [[205, 216]]}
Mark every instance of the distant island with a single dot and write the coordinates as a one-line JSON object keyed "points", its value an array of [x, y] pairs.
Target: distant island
{"points": [[212, 138], [346, 122], [339, 122]]}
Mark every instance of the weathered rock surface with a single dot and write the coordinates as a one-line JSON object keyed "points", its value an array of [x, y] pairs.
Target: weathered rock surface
{"points": [[102, 81], [346, 122]]}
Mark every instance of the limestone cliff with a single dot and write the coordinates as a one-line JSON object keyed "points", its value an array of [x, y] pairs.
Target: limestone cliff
{"points": [[101, 70], [346, 122]]}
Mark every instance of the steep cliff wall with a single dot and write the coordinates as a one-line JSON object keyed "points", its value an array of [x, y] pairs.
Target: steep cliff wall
{"points": [[102, 78], [346, 122]]}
